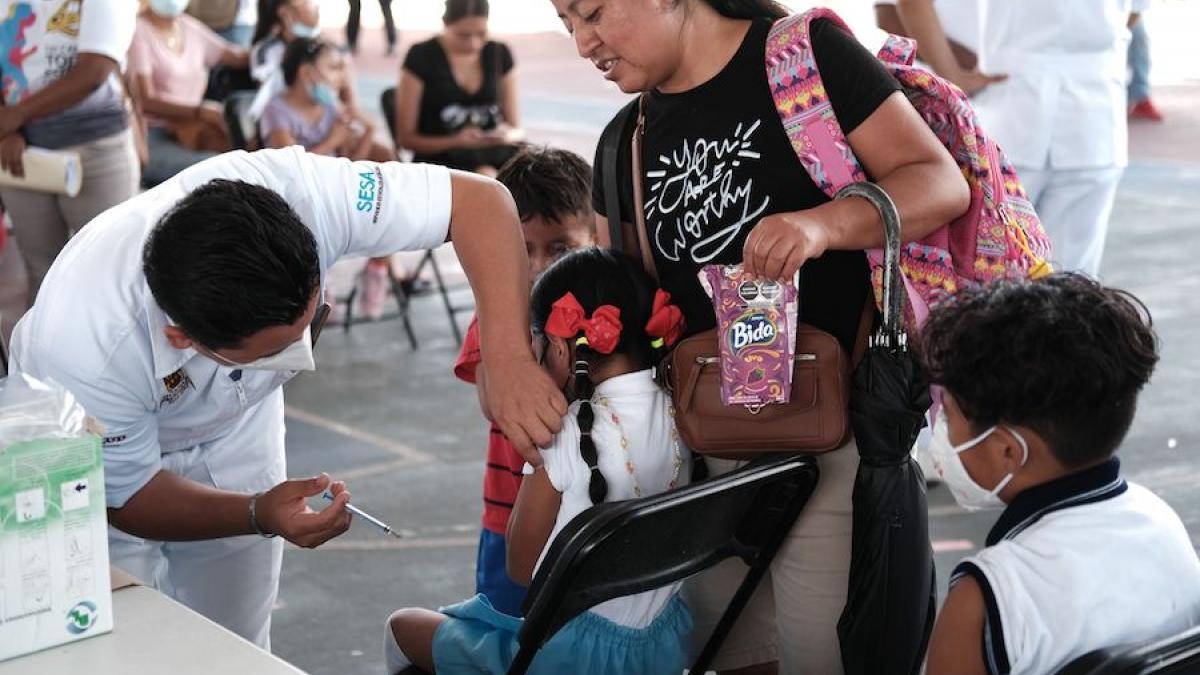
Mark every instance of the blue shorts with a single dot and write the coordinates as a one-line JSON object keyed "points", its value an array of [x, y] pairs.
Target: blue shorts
{"points": [[476, 639], [491, 575]]}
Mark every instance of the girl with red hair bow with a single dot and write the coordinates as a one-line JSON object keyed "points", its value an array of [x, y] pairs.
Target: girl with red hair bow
{"points": [[599, 326]]}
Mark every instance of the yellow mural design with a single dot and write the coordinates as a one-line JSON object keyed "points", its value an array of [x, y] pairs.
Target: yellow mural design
{"points": [[66, 19]]}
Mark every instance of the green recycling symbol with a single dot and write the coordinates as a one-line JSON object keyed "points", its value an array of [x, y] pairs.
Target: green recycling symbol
{"points": [[81, 617]]}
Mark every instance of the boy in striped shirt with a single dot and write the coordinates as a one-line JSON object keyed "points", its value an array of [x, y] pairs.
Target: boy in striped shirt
{"points": [[552, 189]]}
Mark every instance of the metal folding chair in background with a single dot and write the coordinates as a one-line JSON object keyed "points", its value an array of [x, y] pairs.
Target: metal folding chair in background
{"points": [[3, 346], [387, 101], [622, 548], [242, 128]]}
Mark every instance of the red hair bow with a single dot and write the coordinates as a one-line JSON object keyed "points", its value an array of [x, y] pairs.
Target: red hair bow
{"points": [[666, 320], [602, 330]]}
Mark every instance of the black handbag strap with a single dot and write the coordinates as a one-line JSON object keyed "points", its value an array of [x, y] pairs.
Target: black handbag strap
{"points": [[610, 142]]}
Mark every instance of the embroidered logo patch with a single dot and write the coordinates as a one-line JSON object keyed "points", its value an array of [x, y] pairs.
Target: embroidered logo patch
{"points": [[176, 383]]}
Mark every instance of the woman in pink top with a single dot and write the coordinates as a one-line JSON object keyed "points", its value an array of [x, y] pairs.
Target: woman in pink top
{"points": [[169, 60]]}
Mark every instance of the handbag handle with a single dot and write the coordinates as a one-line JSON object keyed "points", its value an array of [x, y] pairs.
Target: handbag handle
{"points": [[891, 332]]}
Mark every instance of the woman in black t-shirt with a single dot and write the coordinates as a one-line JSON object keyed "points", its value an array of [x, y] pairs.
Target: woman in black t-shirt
{"points": [[457, 100], [722, 184]]}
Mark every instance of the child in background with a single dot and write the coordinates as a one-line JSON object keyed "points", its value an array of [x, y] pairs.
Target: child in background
{"points": [[308, 112], [598, 326], [552, 189], [1040, 382]]}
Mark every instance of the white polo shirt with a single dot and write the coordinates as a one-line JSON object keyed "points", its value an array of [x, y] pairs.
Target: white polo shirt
{"points": [[96, 329], [1063, 104], [1082, 563]]}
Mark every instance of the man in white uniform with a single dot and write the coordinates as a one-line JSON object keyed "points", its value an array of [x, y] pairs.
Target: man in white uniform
{"points": [[1054, 98], [176, 316]]}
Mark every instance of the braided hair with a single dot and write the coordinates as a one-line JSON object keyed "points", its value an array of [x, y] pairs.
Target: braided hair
{"points": [[596, 277]]}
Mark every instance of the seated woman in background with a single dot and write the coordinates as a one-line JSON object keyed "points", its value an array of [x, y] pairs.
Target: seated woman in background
{"points": [[169, 59], [281, 22], [307, 113], [457, 100]]}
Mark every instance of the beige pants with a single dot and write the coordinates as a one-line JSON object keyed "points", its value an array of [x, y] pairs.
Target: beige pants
{"points": [[43, 222], [792, 617]]}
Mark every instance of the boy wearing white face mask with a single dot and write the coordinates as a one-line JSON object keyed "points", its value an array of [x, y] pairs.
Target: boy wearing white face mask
{"points": [[1040, 385]]}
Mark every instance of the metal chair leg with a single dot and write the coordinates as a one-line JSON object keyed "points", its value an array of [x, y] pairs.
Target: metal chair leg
{"points": [[404, 301], [3, 346], [348, 317], [441, 285]]}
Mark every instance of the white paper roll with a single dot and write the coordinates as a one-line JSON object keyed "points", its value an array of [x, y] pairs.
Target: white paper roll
{"points": [[48, 171]]}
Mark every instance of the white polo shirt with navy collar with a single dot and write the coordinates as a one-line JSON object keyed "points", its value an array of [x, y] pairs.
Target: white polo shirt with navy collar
{"points": [[1084, 562]]}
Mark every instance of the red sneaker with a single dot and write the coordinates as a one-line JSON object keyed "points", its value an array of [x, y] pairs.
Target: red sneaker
{"points": [[1145, 110]]}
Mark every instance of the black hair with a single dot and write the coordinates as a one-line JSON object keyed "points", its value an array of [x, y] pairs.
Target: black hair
{"points": [[463, 9], [597, 276], [1063, 356], [547, 182], [229, 260], [748, 9], [298, 53], [268, 19]]}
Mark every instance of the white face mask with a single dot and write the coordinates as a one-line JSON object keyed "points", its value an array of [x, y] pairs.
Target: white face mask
{"points": [[305, 31], [296, 356], [168, 8], [970, 495]]}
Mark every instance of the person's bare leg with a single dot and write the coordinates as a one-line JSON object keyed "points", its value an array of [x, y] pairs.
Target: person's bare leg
{"points": [[413, 629]]}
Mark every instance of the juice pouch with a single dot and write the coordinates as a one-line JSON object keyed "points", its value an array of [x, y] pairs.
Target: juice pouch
{"points": [[756, 327]]}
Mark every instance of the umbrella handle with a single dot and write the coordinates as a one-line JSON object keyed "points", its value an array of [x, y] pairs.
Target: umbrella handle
{"points": [[893, 289]]}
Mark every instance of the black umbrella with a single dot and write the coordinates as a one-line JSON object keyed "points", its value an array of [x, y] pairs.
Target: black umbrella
{"points": [[891, 600]]}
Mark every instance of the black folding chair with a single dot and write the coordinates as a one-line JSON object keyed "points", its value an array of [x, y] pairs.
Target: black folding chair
{"points": [[242, 128], [1176, 655], [3, 347], [621, 548], [387, 101], [225, 80], [403, 298]]}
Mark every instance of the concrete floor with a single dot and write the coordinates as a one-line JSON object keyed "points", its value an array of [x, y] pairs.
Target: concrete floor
{"points": [[409, 440]]}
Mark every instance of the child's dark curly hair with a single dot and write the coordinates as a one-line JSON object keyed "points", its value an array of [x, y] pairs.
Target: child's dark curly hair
{"points": [[1063, 356]]}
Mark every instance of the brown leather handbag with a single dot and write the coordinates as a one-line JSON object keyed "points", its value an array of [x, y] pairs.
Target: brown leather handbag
{"points": [[815, 420]]}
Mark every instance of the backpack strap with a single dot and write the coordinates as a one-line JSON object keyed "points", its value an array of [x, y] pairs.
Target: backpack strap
{"points": [[803, 104], [898, 50], [610, 153]]}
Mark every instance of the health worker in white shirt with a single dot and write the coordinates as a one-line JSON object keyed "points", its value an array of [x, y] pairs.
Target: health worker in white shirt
{"points": [[176, 316], [1050, 88]]}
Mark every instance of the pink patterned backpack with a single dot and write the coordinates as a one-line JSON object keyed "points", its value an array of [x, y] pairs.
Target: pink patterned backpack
{"points": [[999, 236]]}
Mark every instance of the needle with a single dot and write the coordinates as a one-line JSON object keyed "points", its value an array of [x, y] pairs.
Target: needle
{"points": [[367, 517]]}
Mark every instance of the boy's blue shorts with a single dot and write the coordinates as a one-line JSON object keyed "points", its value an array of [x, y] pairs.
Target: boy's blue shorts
{"points": [[491, 575]]}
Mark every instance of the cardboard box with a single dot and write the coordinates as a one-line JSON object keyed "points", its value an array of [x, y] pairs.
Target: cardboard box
{"points": [[54, 573]]}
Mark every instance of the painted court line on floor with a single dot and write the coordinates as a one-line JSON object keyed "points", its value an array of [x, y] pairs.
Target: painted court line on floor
{"points": [[393, 544], [406, 452]]}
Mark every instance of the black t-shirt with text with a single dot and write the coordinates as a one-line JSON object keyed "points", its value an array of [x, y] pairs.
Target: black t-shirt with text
{"points": [[716, 160], [445, 106]]}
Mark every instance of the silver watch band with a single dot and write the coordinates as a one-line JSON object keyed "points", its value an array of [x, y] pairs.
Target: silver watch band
{"points": [[254, 517]]}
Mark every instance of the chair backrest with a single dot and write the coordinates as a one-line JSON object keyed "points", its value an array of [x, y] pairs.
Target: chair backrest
{"points": [[622, 548], [1176, 655], [387, 102], [241, 126], [3, 346]]}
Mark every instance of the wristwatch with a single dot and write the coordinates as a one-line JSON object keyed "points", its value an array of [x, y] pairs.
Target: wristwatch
{"points": [[254, 517]]}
